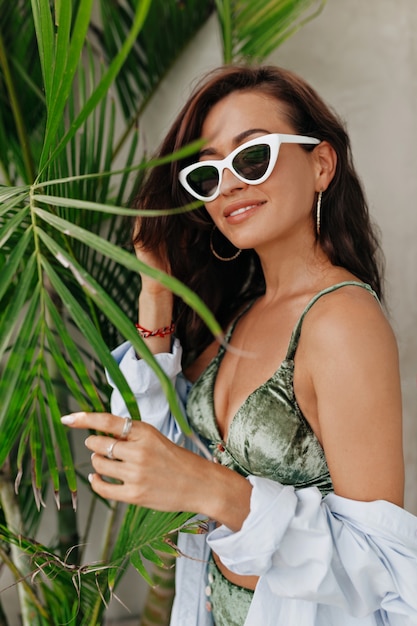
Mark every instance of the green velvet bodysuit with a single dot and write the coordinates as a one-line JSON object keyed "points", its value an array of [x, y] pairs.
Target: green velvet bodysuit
{"points": [[269, 437]]}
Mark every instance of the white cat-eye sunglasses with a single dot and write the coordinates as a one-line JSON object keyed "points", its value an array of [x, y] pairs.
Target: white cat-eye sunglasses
{"points": [[252, 163]]}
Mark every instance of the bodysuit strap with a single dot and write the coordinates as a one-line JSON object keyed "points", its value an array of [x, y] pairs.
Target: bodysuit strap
{"points": [[297, 330]]}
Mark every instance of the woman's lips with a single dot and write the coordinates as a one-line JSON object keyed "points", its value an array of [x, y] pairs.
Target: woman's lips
{"points": [[237, 210]]}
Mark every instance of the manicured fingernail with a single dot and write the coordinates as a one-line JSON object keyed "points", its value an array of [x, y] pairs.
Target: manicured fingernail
{"points": [[90, 478], [67, 419]]}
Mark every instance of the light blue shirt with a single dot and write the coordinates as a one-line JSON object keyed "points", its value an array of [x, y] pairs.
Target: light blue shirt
{"points": [[321, 561]]}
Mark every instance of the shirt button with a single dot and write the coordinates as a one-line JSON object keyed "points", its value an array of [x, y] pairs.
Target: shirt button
{"points": [[208, 606], [208, 591]]}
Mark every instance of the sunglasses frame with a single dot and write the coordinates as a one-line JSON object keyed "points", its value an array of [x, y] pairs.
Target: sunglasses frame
{"points": [[273, 140]]}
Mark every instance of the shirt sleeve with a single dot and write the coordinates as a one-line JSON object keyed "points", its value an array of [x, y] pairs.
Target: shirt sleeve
{"points": [[358, 556], [145, 385]]}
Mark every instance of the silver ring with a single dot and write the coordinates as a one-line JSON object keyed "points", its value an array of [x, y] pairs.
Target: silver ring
{"points": [[127, 427], [109, 451]]}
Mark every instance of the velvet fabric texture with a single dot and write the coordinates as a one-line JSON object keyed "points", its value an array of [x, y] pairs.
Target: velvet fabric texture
{"points": [[229, 603]]}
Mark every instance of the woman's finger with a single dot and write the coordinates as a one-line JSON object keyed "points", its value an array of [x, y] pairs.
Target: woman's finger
{"points": [[105, 446], [111, 490], [120, 427], [110, 453], [118, 480]]}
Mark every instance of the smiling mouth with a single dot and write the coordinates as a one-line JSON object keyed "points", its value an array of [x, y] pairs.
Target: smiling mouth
{"points": [[244, 209]]}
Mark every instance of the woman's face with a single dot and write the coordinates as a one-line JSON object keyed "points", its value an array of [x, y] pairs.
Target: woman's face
{"points": [[277, 210]]}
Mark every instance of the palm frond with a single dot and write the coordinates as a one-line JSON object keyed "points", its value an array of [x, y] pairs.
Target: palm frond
{"points": [[21, 119], [252, 29], [169, 27], [59, 591]]}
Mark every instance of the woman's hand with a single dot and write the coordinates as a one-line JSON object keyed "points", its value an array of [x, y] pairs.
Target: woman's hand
{"points": [[157, 474], [153, 472]]}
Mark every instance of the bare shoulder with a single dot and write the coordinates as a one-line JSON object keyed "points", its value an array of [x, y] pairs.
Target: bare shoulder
{"points": [[350, 353], [350, 318]]}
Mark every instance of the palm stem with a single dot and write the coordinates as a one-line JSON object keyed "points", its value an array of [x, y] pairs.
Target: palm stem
{"points": [[88, 527], [22, 583], [107, 545], [14, 523], [158, 605]]}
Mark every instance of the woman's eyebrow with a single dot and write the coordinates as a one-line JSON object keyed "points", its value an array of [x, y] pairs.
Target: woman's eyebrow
{"points": [[248, 133], [237, 140]]}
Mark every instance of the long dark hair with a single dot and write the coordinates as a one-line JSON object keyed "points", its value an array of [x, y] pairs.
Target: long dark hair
{"points": [[346, 233]]}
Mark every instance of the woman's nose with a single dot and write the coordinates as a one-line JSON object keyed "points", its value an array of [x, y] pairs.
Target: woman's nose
{"points": [[230, 182]]}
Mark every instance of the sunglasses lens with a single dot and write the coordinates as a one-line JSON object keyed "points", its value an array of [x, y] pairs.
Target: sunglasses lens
{"points": [[251, 163], [204, 180]]}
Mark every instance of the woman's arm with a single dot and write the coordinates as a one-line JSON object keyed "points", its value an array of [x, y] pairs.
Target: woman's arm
{"points": [[350, 353], [155, 311], [155, 306]]}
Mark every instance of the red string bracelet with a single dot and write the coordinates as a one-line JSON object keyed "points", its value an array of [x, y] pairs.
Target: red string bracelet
{"points": [[159, 332]]}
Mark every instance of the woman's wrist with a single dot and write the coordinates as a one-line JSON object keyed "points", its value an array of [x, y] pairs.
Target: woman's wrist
{"points": [[225, 496], [153, 288], [162, 331], [155, 310], [233, 505]]}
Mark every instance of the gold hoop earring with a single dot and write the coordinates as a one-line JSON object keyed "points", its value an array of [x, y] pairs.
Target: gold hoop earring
{"points": [[216, 254], [318, 212]]}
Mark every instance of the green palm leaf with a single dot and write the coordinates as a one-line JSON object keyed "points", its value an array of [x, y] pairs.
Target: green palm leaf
{"points": [[252, 29], [101, 88], [168, 28], [20, 119]]}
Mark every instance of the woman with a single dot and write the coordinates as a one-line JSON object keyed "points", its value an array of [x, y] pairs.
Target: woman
{"points": [[303, 412]]}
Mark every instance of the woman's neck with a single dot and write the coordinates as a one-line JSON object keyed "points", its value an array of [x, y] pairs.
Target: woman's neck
{"points": [[298, 270]]}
